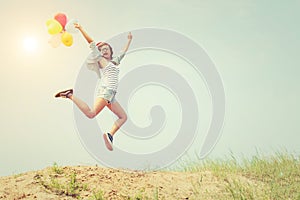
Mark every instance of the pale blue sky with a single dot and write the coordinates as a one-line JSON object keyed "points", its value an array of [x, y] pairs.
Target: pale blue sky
{"points": [[254, 44]]}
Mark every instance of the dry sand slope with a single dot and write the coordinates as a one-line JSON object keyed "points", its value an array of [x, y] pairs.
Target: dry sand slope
{"points": [[86, 182]]}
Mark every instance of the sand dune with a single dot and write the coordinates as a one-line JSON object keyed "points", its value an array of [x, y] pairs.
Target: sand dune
{"points": [[86, 182]]}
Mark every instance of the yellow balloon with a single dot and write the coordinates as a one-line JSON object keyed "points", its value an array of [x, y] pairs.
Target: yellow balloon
{"points": [[54, 27], [67, 39], [48, 22]]}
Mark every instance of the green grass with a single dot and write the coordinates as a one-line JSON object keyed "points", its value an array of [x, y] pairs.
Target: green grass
{"points": [[56, 169], [261, 177], [70, 188], [52, 182], [97, 195]]}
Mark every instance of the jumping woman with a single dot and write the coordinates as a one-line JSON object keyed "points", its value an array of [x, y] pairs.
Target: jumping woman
{"points": [[106, 66]]}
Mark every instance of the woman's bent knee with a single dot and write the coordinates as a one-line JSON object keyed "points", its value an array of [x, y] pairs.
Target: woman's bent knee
{"points": [[91, 115], [123, 119]]}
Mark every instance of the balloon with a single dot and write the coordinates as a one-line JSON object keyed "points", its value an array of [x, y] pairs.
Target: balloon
{"points": [[54, 27], [67, 39], [48, 22], [61, 30], [61, 18], [70, 26], [55, 40]]}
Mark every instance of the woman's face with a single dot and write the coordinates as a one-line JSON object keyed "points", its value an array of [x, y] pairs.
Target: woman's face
{"points": [[105, 51]]}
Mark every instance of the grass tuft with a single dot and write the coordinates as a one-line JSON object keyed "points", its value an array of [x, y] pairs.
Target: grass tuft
{"points": [[261, 177]]}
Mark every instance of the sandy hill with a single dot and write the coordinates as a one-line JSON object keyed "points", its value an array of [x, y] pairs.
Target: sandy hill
{"points": [[86, 182], [268, 178]]}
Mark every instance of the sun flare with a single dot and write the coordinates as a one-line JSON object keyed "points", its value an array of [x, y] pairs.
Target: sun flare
{"points": [[30, 44]]}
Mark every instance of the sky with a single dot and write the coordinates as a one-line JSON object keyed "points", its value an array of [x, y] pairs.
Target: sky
{"points": [[255, 46]]}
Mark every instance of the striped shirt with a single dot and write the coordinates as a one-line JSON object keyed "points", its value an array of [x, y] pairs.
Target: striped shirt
{"points": [[109, 75]]}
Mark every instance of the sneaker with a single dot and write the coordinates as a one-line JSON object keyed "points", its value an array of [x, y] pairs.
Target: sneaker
{"points": [[64, 94], [108, 139]]}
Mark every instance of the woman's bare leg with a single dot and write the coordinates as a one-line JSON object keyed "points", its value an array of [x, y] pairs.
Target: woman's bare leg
{"points": [[99, 104], [120, 113]]}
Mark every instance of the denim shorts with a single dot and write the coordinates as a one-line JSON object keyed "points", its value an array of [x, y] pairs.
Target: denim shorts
{"points": [[107, 94]]}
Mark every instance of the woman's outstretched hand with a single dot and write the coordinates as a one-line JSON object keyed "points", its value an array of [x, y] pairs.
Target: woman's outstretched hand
{"points": [[129, 36], [77, 25]]}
